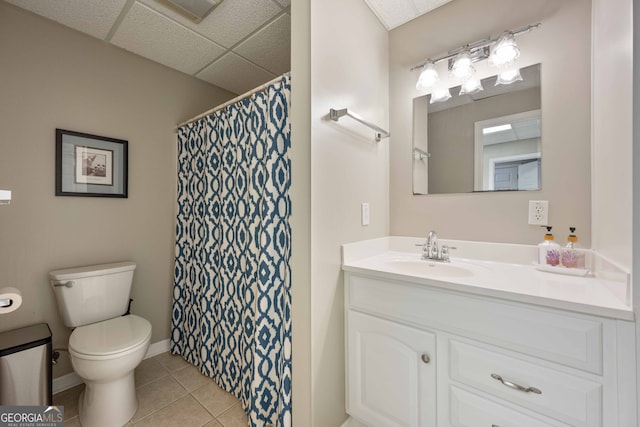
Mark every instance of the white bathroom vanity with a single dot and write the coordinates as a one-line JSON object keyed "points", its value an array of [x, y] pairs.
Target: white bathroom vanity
{"points": [[485, 340]]}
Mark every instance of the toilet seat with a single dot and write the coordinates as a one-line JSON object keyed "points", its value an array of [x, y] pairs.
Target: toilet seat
{"points": [[110, 338]]}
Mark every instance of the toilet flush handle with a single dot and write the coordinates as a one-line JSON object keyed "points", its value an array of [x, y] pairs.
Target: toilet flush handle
{"points": [[65, 284]]}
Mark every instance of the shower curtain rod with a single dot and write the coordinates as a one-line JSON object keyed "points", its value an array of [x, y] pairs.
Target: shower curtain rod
{"points": [[234, 100]]}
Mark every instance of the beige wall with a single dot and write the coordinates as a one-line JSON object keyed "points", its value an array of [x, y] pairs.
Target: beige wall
{"points": [[562, 46], [348, 69], [56, 77]]}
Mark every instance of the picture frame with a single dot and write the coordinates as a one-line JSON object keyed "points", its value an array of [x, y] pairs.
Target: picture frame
{"points": [[91, 165]]}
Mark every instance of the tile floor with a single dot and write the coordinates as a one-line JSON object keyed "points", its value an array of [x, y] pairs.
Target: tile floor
{"points": [[171, 392]]}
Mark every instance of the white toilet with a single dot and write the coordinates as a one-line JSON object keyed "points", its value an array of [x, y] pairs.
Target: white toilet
{"points": [[105, 346]]}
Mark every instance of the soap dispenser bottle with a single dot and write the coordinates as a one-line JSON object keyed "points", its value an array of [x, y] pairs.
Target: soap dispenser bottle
{"points": [[573, 254], [549, 250]]}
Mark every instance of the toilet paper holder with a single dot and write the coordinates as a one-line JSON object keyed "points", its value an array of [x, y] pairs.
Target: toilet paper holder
{"points": [[5, 197], [65, 284], [10, 300]]}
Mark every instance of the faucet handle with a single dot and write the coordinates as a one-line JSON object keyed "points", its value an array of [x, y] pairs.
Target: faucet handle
{"points": [[433, 250], [444, 253]]}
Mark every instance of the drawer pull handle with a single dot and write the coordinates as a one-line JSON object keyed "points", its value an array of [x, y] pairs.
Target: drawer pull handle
{"points": [[515, 386], [425, 358]]}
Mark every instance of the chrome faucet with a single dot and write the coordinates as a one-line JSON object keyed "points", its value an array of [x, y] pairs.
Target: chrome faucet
{"points": [[431, 245], [430, 249]]}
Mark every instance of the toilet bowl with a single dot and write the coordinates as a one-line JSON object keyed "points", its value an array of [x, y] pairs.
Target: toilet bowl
{"points": [[107, 343], [105, 355]]}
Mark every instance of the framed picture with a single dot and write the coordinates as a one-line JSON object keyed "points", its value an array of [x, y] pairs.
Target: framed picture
{"points": [[90, 165]]}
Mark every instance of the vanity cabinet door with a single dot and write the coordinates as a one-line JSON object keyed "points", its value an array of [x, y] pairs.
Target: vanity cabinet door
{"points": [[391, 372]]}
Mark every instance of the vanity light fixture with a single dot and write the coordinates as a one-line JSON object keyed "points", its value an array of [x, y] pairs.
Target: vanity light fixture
{"points": [[440, 93], [461, 67], [501, 51], [428, 77], [510, 76], [470, 86], [505, 51]]}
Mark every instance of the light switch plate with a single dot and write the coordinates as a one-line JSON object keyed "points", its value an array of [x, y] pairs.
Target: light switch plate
{"points": [[365, 213]]}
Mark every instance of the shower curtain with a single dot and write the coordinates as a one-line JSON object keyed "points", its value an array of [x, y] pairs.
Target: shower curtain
{"points": [[231, 298]]}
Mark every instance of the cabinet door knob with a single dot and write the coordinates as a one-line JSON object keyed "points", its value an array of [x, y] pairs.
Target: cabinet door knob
{"points": [[425, 358], [515, 386]]}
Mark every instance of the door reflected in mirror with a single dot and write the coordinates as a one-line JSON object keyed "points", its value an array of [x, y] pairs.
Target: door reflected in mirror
{"points": [[507, 152], [488, 141]]}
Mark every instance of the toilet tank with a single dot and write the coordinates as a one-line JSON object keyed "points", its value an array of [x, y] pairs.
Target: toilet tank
{"points": [[93, 293]]}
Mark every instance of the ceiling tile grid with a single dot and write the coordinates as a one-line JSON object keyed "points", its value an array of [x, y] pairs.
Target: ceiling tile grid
{"points": [[229, 23], [394, 13], [238, 46], [90, 17], [269, 47], [148, 33], [235, 74]]}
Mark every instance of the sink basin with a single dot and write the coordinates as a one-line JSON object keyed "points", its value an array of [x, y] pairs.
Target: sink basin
{"points": [[430, 268]]}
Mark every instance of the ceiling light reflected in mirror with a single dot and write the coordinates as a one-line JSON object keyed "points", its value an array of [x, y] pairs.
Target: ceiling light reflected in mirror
{"points": [[494, 129]]}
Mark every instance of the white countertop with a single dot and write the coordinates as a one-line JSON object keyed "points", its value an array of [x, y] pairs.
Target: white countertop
{"points": [[604, 293]]}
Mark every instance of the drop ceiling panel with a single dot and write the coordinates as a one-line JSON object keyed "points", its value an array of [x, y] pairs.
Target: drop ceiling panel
{"points": [[270, 47], [230, 22], [425, 6], [252, 34], [150, 34], [394, 13], [93, 17], [235, 74]]}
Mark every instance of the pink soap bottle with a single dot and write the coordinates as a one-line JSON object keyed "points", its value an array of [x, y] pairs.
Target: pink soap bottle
{"points": [[573, 254], [549, 250]]}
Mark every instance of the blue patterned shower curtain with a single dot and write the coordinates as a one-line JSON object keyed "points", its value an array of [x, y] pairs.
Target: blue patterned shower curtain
{"points": [[232, 293]]}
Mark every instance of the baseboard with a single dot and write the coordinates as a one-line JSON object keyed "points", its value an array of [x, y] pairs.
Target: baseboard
{"points": [[65, 382], [68, 381], [157, 348], [352, 423]]}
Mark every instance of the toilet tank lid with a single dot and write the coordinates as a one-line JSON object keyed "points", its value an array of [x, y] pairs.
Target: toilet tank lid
{"points": [[91, 270]]}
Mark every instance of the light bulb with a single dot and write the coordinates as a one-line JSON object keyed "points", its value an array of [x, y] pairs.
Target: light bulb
{"points": [[462, 67], [471, 86], [505, 51], [508, 77], [428, 77], [440, 94]]}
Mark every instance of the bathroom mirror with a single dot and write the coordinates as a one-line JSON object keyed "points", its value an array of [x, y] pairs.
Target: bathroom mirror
{"points": [[488, 141]]}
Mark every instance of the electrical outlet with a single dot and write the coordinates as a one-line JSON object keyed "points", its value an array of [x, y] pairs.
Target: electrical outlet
{"points": [[365, 213], [538, 212]]}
